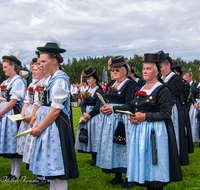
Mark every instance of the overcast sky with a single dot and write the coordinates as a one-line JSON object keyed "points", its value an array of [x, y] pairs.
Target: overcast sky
{"points": [[101, 27]]}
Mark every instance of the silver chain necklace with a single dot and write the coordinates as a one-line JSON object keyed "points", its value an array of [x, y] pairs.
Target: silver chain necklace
{"points": [[149, 83]]}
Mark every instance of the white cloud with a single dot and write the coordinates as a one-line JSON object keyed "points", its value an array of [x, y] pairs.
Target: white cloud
{"points": [[35, 20], [95, 28]]}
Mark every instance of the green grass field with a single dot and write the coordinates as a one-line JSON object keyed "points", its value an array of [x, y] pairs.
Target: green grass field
{"points": [[93, 178]]}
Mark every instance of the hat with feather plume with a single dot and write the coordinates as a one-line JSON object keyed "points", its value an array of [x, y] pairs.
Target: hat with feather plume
{"points": [[14, 57]]}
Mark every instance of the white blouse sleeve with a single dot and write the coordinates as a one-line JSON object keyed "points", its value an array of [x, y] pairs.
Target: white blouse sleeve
{"points": [[26, 99], [17, 91], [59, 94]]}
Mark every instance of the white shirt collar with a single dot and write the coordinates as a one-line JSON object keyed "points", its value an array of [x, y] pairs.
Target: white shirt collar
{"points": [[169, 77]]}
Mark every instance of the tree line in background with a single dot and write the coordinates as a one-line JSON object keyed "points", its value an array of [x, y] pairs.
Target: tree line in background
{"points": [[74, 67]]}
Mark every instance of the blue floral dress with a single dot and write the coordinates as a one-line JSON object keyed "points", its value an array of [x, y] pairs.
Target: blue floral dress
{"points": [[193, 112], [8, 129], [30, 140], [29, 99], [54, 155], [90, 105], [157, 104], [112, 157]]}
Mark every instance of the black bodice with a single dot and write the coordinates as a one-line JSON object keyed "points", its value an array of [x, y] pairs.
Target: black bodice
{"points": [[92, 101], [123, 96], [5, 94], [145, 103], [120, 96], [157, 106], [43, 97], [185, 92], [175, 84], [31, 96]]}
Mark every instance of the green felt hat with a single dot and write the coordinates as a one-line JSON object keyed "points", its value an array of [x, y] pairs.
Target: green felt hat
{"points": [[12, 58], [37, 52], [51, 47], [34, 60]]}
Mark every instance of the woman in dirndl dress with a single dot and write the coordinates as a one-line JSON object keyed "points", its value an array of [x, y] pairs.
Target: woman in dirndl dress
{"points": [[12, 94], [175, 84], [183, 101], [195, 112], [30, 140], [153, 159], [28, 106], [112, 156], [91, 119], [54, 155]]}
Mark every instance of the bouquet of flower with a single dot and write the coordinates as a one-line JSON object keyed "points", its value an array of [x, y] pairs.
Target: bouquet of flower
{"points": [[40, 88], [86, 95], [112, 88]]}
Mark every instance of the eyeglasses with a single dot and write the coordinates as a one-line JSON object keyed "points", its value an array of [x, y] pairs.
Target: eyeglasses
{"points": [[113, 70]]}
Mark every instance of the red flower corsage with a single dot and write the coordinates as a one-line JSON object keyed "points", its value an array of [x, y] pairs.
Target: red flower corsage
{"points": [[30, 89], [112, 88], [39, 88], [3, 86], [86, 95], [142, 93]]}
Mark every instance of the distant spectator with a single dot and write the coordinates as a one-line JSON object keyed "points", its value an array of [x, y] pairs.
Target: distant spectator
{"points": [[103, 87], [78, 87], [83, 89], [24, 75], [74, 92], [79, 93], [188, 77]]}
